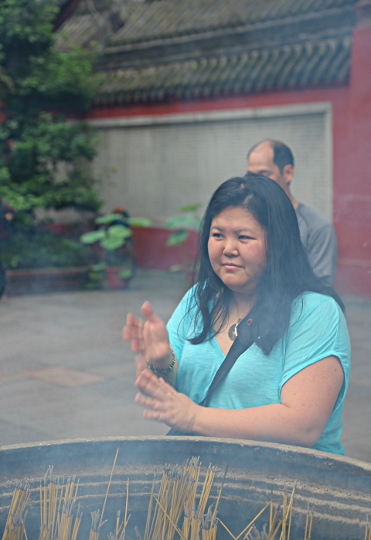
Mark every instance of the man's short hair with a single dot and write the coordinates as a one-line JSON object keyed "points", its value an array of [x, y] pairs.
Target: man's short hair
{"points": [[282, 154]]}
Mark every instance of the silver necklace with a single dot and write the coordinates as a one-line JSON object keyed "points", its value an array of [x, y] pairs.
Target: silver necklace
{"points": [[232, 332]]}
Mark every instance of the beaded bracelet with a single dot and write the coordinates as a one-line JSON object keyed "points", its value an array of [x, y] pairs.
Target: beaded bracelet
{"points": [[163, 371]]}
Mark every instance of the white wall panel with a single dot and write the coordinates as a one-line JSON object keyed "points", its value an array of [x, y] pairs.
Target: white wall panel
{"points": [[162, 163]]}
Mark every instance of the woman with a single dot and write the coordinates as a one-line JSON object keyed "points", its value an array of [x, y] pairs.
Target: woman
{"points": [[289, 386]]}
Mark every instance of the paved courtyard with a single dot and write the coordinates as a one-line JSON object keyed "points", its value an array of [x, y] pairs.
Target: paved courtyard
{"points": [[65, 372]]}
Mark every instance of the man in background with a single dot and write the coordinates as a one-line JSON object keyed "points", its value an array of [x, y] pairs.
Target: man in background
{"points": [[275, 160]]}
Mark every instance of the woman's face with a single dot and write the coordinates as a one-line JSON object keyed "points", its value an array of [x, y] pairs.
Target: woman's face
{"points": [[236, 249]]}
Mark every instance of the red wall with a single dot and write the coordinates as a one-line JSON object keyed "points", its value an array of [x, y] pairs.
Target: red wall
{"points": [[151, 252], [351, 108]]}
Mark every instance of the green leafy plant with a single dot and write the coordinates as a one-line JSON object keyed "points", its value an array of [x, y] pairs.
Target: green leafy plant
{"points": [[182, 224], [114, 241], [44, 156]]}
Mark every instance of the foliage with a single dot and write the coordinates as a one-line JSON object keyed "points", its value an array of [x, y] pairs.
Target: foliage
{"points": [[114, 240], [189, 219], [183, 223], [40, 248], [43, 156]]}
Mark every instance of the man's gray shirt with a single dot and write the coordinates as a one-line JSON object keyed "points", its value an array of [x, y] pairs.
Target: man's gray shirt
{"points": [[319, 239]]}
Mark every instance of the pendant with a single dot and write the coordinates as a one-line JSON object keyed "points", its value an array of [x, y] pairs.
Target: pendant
{"points": [[232, 332]]}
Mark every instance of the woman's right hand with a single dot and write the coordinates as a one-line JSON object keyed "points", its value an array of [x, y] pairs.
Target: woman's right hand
{"points": [[148, 337]]}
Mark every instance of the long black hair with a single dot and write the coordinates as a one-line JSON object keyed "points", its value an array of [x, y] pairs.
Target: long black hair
{"points": [[287, 273]]}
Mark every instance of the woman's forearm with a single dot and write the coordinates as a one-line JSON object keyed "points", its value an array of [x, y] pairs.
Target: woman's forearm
{"points": [[277, 423]]}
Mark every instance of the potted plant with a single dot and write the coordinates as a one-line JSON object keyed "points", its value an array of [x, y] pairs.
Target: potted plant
{"points": [[183, 225], [114, 249], [39, 260]]}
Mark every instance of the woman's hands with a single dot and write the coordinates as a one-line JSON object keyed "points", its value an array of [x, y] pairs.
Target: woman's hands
{"points": [[164, 404]]}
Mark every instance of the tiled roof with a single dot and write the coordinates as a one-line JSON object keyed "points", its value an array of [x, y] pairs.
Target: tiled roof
{"points": [[297, 66], [174, 18], [163, 50]]}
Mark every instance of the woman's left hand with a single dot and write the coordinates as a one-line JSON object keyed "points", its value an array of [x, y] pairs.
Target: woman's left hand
{"points": [[149, 337], [163, 403]]}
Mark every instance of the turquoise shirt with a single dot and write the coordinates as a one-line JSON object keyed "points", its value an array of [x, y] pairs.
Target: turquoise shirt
{"points": [[317, 329]]}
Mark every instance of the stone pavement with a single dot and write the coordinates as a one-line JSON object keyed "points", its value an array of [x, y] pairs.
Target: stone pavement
{"points": [[65, 372]]}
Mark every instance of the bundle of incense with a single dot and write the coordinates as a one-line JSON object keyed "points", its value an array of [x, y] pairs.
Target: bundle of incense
{"points": [[15, 527], [178, 494], [57, 501], [95, 525], [168, 505], [198, 517]]}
